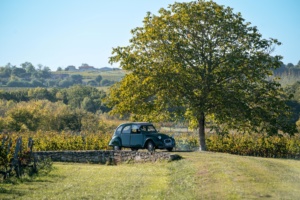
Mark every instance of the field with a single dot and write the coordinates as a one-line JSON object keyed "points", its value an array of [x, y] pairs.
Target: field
{"points": [[197, 176], [114, 75]]}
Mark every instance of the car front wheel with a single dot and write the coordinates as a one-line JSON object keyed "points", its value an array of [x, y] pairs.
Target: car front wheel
{"points": [[117, 148], [150, 146]]}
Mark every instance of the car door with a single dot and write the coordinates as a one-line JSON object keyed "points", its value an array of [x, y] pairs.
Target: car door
{"points": [[125, 136], [136, 137]]}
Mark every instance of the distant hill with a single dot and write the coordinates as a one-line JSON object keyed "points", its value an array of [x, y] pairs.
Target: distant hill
{"points": [[108, 69]]}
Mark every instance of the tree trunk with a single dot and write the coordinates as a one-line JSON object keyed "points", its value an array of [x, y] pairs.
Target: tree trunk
{"points": [[201, 124]]}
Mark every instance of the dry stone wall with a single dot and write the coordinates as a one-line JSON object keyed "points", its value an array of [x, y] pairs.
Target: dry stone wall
{"points": [[104, 157]]}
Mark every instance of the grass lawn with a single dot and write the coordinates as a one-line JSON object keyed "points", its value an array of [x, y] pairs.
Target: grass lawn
{"points": [[197, 176]]}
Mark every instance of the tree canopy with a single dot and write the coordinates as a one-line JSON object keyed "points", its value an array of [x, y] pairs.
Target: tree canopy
{"points": [[200, 60]]}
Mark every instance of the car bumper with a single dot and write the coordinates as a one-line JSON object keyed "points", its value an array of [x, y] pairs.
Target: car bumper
{"points": [[167, 143]]}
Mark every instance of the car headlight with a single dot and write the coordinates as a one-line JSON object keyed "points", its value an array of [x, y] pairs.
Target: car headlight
{"points": [[159, 137]]}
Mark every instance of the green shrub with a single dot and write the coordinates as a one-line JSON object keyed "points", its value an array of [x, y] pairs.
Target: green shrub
{"points": [[277, 146]]}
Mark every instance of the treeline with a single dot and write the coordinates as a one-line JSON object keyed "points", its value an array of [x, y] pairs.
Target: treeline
{"points": [[30, 76], [46, 116], [291, 65], [288, 69], [25, 76], [76, 108]]}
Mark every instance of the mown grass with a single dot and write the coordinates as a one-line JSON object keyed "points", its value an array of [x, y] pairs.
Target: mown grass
{"points": [[197, 176]]}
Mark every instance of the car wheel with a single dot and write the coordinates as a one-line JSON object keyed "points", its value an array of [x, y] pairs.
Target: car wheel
{"points": [[170, 149], [117, 148], [150, 146]]}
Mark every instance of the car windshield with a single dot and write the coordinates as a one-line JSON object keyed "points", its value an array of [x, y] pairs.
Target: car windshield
{"points": [[148, 128]]}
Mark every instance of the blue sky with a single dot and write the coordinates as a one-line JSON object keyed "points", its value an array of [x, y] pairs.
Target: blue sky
{"points": [[58, 33]]}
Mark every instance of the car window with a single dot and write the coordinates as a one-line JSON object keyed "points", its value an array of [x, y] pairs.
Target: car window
{"points": [[118, 131], [135, 129], [147, 128], [143, 128], [126, 129], [151, 129]]}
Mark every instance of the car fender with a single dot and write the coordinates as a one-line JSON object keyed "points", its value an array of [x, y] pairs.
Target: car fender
{"points": [[148, 139], [115, 142]]}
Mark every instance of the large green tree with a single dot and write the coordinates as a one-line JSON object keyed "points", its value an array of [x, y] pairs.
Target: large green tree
{"points": [[200, 60]]}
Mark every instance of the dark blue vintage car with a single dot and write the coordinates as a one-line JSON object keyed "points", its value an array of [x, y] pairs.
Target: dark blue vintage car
{"points": [[140, 135]]}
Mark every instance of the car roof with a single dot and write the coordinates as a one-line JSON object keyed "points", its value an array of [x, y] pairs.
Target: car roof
{"points": [[137, 123]]}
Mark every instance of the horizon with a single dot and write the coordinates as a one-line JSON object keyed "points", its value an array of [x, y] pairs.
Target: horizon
{"points": [[72, 32]]}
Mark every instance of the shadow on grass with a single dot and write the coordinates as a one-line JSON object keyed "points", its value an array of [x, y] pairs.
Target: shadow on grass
{"points": [[175, 157], [9, 189], [12, 192]]}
